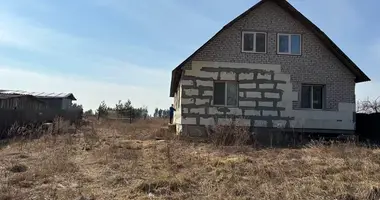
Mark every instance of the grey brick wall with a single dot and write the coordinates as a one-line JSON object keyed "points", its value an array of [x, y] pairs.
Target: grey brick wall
{"points": [[260, 94], [316, 64]]}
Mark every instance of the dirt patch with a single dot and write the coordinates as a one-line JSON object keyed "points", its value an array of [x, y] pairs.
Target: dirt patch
{"points": [[18, 168]]}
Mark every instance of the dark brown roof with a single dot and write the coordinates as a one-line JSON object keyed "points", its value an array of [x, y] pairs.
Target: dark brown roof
{"points": [[360, 76]]}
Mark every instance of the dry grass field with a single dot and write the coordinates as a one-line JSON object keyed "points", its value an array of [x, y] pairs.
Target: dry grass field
{"points": [[114, 160]]}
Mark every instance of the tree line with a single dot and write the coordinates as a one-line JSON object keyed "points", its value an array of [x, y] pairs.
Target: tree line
{"points": [[126, 110], [120, 109], [164, 113]]}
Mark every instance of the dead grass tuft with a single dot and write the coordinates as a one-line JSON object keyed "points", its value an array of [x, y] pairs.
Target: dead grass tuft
{"points": [[346, 197], [6, 197], [5, 193], [86, 198], [230, 135], [56, 162], [164, 186], [374, 194], [118, 160], [22, 180]]}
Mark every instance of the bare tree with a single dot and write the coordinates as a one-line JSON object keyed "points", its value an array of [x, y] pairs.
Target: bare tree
{"points": [[368, 106]]}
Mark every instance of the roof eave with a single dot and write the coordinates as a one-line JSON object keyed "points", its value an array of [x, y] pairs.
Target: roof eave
{"points": [[362, 79], [71, 96], [176, 75], [360, 75], [174, 85]]}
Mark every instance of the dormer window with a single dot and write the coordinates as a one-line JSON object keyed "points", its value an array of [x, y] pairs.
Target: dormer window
{"points": [[254, 42], [289, 44]]}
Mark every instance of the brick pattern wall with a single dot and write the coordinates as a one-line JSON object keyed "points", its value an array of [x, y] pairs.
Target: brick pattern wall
{"points": [[261, 97], [316, 65]]}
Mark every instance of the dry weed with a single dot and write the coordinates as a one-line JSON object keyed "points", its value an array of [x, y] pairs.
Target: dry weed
{"points": [[91, 138], [125, 161], [231, 134], [164, 186], [56, 162], [5, 193]]}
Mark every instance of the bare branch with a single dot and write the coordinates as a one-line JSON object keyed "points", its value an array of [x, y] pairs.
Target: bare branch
{"points": [[368, 106]]}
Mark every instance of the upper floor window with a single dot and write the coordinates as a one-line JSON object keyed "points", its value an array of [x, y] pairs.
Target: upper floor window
{"points": [[225, 93], [289, 44], [312, 96], [254, 42]]}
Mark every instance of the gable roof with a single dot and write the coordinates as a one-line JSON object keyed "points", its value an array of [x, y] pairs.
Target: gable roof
{"points": [[284, 4]]}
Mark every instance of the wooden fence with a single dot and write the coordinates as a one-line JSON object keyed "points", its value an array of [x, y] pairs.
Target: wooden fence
{"points": [[368, 127], [8, 117]]}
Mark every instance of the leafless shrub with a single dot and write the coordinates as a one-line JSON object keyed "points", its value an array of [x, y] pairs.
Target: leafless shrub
{"points": [[14, 130], [60, 126], [23, 131], [22, 134], [231, 134], [368, 106]]}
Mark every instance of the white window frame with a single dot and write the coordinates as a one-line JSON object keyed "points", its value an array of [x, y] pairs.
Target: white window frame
{"points": [[312, 97], [254, 41], [290, 43], [225, 94]]}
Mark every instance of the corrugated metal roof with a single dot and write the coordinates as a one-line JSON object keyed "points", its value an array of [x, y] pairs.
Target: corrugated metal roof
{"points": [[10, 96], [40, 94]]}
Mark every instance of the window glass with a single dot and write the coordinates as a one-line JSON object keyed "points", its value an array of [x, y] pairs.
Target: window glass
{"points": [[317, 97], [260, 42], [306, 97], [231, 93], [283, 45], [296, 44], [219, 93], [248, 42]]}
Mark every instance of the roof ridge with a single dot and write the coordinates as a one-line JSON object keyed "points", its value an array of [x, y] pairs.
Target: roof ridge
{"points": [[284, 4], [40, 94]]}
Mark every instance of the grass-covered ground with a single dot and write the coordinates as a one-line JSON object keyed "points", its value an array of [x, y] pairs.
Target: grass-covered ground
{"points": [[114, 160]]}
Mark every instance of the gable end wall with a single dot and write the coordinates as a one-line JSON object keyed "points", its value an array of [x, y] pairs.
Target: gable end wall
{"points": [[316, 65]]}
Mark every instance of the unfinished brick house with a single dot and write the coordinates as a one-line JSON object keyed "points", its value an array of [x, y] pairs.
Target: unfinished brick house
{"points": [[268, 68]]}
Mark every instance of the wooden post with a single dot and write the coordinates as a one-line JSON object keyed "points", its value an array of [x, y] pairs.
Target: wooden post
{"points": [[271, 138], [130, 115]]}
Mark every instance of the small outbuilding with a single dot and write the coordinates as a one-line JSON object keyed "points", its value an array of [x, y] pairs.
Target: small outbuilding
{"points": [[52, 100], [17, 101]]}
